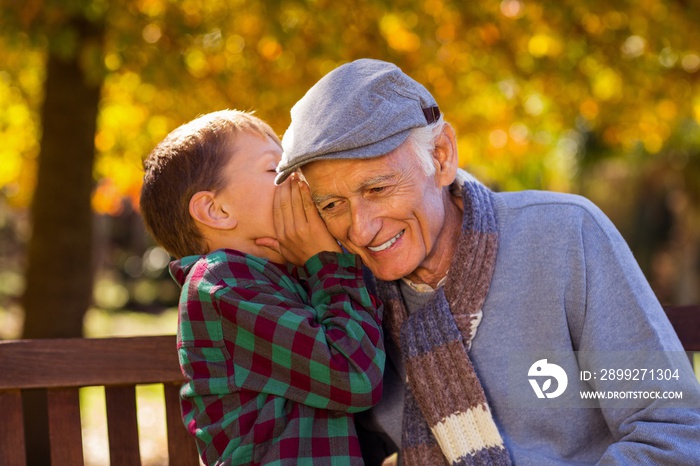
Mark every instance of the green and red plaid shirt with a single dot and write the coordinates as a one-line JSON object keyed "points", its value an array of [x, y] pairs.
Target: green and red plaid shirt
{"points": [[277, 358]]}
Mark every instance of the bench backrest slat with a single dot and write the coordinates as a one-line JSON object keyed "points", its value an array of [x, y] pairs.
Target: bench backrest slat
{"points": [[180, 443], [81, 362], [122, 426], [65, 435], [11, 429]]}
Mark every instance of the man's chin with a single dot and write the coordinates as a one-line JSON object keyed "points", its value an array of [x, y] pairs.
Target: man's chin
{"points": [[385, 275]]}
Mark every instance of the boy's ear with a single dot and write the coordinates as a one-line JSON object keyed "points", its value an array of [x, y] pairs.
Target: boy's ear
{"points": [[445, 156], [205, 208]]}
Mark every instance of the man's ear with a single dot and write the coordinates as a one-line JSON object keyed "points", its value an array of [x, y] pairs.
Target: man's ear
{"points": [[445, 156], [206, 209]]}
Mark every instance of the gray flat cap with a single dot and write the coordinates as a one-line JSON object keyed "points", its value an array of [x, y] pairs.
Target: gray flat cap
{"points": [[360, 110]]}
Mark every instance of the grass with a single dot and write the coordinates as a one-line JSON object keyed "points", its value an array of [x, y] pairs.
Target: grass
{"points": [[99, 323], [102, 324]]}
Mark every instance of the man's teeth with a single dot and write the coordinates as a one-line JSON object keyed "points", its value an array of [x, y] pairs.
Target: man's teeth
{"points": [[387, 244]]}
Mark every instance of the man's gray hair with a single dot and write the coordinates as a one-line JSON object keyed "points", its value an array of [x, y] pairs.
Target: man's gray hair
{"points": [[421, 141]]}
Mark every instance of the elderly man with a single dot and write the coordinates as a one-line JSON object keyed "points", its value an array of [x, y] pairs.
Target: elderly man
{"points": [[480, 287]]}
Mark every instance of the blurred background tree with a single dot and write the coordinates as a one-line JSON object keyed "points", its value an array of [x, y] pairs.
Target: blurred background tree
{"points": [[596, 97]]}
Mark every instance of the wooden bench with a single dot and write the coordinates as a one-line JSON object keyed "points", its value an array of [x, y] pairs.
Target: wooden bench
{"points": [[686, 322], [62, 366]]}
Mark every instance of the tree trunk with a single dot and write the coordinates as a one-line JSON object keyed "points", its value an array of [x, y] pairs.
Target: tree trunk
{"points": [[59, 275]]}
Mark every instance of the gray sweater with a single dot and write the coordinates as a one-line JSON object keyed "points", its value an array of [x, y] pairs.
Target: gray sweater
{"points": [[566, 283]]}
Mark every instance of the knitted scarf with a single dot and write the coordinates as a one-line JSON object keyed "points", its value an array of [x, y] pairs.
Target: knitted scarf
{"points": [[447, 419]]}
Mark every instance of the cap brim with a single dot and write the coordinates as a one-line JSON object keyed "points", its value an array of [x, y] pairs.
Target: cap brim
{"points": [[371, 151]]}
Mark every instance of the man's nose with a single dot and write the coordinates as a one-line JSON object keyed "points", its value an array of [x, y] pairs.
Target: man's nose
{"points": [[364, 224]]}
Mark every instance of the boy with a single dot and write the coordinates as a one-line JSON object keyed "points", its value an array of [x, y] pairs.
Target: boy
{"points": [[277, 357]]}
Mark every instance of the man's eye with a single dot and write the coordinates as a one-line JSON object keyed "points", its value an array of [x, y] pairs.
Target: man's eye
{"points": [[377, 189], [328, 207]]}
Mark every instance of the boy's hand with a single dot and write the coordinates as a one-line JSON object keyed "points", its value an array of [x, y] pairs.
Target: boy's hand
{"points": [[301, 232]]}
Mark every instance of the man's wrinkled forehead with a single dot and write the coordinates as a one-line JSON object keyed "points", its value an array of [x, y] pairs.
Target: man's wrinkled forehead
{"points": [[330, 178]]}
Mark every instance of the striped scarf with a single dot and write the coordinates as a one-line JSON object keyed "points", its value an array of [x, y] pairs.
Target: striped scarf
{"points": [[447, 419]]}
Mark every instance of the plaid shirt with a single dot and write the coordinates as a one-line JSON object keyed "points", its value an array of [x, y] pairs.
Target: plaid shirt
{"points": [[277, 361]]}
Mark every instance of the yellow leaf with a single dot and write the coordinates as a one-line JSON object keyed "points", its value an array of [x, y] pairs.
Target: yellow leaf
{"points": [[607, 84]]}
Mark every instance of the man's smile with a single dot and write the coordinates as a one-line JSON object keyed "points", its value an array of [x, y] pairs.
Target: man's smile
{"points": [[384, 246]]}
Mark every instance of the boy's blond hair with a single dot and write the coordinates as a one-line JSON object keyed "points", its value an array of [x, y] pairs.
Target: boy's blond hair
{"points": [[190, 159]]}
